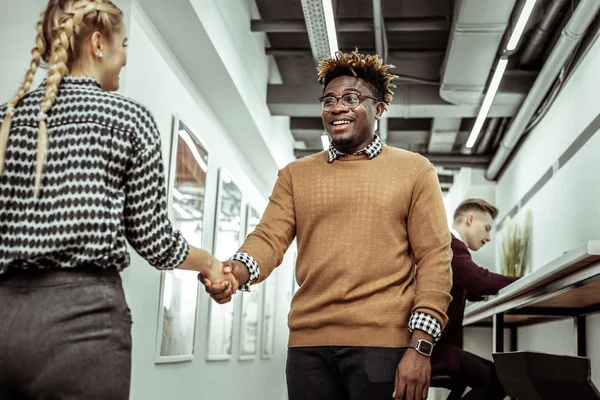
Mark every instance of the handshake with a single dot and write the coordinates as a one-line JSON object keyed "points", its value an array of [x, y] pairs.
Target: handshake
{"points": [[222, 279]]}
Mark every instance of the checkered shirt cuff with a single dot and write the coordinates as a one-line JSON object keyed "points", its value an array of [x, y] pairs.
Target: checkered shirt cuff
{"points": [[252, 266], [425, 323]]}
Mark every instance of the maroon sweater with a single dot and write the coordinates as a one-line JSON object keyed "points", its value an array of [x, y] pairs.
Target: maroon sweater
{"points": [[469, 282]]}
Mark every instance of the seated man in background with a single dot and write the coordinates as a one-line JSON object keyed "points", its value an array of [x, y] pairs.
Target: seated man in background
{"points": [[471, 230]]}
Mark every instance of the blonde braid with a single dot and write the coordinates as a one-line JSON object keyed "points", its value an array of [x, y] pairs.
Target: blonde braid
{"points": [[59, 59], [36, 53]]}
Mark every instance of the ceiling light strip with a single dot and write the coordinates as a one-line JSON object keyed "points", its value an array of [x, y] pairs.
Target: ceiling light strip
{"points": [[520, 26], [500, 68], [487, 101]]}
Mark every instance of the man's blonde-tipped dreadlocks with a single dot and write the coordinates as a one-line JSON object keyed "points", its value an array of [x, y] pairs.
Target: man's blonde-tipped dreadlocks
{"points": [[369, 67]]}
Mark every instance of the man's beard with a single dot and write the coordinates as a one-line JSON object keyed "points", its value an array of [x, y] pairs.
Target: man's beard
{"points": [[341, 142]]}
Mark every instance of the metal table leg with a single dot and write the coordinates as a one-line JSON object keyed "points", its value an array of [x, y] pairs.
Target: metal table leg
{"points": [[580, 328], [498, 338], [514, 338]]}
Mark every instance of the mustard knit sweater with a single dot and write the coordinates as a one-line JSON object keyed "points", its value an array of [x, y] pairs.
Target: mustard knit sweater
{"points": [[373, 247]]}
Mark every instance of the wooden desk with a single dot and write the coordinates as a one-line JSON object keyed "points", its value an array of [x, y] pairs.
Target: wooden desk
{"points": [[569, 286]]}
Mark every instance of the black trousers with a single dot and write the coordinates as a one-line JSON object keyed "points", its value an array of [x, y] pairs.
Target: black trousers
{"points": [[64, 335], [341, 373], [480, 375]]}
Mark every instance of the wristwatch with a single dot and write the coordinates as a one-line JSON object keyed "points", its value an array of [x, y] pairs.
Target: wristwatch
{"points": [[422, 347]]}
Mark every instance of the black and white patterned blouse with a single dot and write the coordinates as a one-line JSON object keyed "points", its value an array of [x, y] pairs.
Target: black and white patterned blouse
{"points": [[103, 184]]}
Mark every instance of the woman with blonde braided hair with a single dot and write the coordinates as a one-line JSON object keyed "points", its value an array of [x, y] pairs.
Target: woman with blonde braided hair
{"points": [[81, 175]]}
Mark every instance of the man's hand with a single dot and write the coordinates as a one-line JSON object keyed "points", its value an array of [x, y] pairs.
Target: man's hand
{"points": [[221, 292], [413, 373]]}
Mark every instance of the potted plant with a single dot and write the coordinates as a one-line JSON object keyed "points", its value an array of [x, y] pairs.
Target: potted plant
{"points": [[516, 246]]}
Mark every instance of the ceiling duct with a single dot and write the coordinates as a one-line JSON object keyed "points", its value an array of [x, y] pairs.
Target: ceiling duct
{"points": [[536, 43], [476, 34], [490, 130], [443, 134]]}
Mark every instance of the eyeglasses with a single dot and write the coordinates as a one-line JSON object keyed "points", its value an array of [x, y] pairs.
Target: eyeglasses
{"points": [[350, 100]]}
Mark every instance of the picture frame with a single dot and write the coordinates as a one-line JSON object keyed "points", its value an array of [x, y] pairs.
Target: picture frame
{"points": [[249, 324], [178, 299], [252, 220], [251, 303], [227, 238], [268, 316]]}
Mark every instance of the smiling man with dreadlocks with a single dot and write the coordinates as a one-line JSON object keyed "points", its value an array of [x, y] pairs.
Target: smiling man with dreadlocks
{"points": [[373, 250]]}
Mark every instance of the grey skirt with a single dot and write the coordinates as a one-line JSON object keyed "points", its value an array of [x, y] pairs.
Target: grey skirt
{"points": [[64, 334]]}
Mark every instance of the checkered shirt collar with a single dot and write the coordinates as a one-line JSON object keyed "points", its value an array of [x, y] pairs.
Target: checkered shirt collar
{"points": [[372, 150]]}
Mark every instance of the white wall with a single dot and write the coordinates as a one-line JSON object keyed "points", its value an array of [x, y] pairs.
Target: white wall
{"points": [[156, 79], [236, 16], [470, 183], [18, 23], [458, 192], [566, 211], [227, 23]]}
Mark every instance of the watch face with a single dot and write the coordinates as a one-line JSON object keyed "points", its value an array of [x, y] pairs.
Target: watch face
{"points": [[425, 347]]}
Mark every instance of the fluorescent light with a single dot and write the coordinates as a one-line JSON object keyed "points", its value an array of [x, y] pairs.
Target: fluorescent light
{"points": [[487, 101], [188, 140], [325, 141], [520, 26], [330, 24]]}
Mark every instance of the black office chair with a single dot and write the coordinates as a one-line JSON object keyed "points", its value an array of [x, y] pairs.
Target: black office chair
{"points": [[527, 375], [447, 382]]}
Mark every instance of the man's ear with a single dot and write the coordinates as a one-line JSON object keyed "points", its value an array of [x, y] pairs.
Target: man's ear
{"points": [[469, 219], [379, 110]]}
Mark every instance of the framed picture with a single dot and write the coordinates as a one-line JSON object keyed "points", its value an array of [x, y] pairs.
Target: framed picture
{"points": [[252, 219], [251, 303], [188, 167], [228, 230], [251, 307], [268, 323]]}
